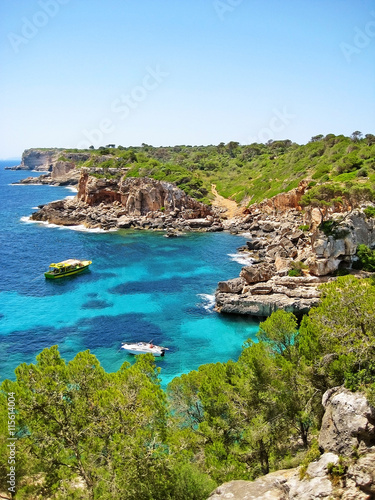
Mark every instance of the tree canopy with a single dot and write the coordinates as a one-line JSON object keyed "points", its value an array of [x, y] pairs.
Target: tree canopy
{"points": [[84, 433]]}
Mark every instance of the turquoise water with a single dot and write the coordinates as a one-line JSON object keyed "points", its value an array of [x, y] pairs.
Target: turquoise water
{"points": [[140, 286]]}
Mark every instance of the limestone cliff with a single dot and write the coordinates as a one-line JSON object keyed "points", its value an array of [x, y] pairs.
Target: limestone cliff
{"points": [[38, 159], [139, 196], [129, 202], [347, 437], [276, 244], [282, 202]]}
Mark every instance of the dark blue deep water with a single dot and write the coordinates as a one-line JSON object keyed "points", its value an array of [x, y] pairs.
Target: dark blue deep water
{"points": [[140, 286]]}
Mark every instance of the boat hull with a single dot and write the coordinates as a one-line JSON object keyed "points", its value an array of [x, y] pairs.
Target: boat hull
{"points": [[144, 348], [154, 353], [71, 272]]}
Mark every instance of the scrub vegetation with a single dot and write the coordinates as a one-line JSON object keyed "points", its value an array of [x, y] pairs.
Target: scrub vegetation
{"points": [[251, 173]]}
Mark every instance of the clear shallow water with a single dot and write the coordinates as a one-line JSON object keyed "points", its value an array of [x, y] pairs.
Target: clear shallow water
{"points": [[140, 286]]}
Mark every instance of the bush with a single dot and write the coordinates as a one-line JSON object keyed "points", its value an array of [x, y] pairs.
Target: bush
{"points": [[369, 212], [311, 456], [294, 272], [330, 228], [366, 258], [337, 471], [296, 267]]}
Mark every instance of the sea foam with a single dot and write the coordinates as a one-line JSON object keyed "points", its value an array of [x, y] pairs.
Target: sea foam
{"points": [[241, 258], [208, 301]]}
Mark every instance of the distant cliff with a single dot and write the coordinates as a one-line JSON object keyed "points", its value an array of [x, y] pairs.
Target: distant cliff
{"points": [[38, 159], [60, 165]]}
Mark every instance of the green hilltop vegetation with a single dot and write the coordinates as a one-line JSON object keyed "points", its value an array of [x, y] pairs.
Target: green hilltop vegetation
{"points": [[124, 437], [247, 173]]}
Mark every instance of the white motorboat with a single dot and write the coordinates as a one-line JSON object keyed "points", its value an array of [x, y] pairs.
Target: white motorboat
{"points": [[144, 348]]}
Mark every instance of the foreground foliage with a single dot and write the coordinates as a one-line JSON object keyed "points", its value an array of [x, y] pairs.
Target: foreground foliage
{"points": [[123, 437]]}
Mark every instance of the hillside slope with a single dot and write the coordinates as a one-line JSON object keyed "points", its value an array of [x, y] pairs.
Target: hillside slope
{"points": [[244, 173]]}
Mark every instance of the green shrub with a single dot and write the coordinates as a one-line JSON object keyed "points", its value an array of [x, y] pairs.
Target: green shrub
{"points": [[294, 272], [369, 212], [366, 258], [311, 456], [355, 380], [330, 228], [337, 471], [304, 227]]}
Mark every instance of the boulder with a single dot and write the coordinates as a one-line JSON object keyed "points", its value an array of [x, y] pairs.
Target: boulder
{"points": [[362, 472], [348, 423], [231, 286], [258, 272], [199, 223], [124, 222], [270, 487]]}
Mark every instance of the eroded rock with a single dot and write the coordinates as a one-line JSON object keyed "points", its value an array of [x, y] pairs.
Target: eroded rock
{"points": [[348, 423]]}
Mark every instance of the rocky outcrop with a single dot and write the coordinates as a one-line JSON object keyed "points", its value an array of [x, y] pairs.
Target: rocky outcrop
{"points": [[60, 165], [140, 196], [329, 252], [130, 203], [348, 428], [277, 245], [293, 294], [47, 159], [282, 202], [348, 424], [38, 159]]}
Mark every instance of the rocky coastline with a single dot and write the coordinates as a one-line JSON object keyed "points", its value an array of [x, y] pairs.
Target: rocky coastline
{"points": [[291, 254], [138, 203], [292, 257]]}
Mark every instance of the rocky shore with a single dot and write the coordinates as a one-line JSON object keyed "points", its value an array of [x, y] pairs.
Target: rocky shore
{"points": [[139, 203], [291, 254]]}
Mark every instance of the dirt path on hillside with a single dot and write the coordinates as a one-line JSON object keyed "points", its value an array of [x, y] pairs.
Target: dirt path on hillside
{"points": [[231, 207]]}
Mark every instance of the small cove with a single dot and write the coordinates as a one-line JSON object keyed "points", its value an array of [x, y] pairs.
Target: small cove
{"points": [[141, 286]]}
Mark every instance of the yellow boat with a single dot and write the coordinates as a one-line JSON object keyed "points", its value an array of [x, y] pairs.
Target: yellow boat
{"points": [[66, 268]]}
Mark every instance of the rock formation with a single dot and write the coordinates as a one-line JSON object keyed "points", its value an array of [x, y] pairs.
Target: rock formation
{"points": [[38, 159], [282, 202], [348, 424], [277, 245], [347, 436], [46, 159], [129, 202], [139, 196]]}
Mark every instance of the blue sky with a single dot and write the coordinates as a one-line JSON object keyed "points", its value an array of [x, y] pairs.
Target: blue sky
{"points": [[82, 72]]}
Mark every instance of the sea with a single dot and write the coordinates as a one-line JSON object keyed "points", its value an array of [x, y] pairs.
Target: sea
{"points": [[140, 286]]}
